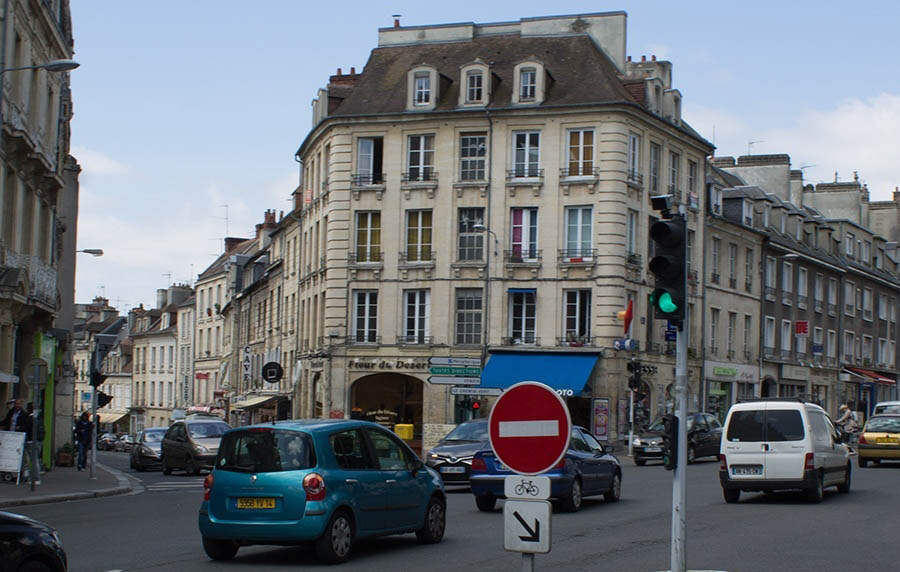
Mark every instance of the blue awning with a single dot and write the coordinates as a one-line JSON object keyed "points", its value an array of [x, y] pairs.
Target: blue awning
{"points": [[563, 372]]}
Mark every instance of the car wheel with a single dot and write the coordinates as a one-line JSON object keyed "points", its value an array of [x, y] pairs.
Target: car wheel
{"points": [[862, 462], [691, 454], [612, 495], [220, 549], [432, 530], [640, 462], [485, 503], [572, 503], [845, 486], [191, 468], [334, 545], [34, 566], [139, 466], [731, 495], [817, 493], [166, 469]]}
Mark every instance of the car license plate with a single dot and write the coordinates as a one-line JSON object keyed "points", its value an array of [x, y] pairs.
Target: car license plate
{"points": [[453, 469], [747, 470], [653, 449], [256, 503], [887, 440]]}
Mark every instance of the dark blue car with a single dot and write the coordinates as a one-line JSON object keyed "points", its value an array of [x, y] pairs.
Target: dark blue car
{"points": [[588, 468]]}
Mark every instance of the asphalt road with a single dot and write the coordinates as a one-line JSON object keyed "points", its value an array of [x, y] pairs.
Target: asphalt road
{"points": [[156, 529]]}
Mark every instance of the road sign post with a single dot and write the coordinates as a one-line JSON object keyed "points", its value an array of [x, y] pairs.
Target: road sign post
{"points": [[529, 429]]}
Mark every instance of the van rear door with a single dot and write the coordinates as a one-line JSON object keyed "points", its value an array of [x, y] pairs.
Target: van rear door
{"points": [[743, 443], [786, 442]]}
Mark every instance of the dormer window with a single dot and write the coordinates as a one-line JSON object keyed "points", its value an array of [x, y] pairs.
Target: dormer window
{"points": [[527, 84], [765, 214], [474, 87], [748, 212], [422, 88]]}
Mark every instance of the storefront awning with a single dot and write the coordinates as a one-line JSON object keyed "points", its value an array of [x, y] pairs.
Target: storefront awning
{"points": [[562, 372], [110, 417], [870, 376], [254, 402]]}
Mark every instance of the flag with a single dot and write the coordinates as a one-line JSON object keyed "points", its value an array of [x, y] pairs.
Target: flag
{"points": [[629, 314]]}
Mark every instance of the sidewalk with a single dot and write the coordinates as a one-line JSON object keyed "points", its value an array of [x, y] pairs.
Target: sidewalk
{"points": [[64, 484]]}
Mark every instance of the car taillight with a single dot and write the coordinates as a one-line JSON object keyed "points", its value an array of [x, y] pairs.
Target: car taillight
{"points": [[478, 465], [809, 463], [314, 485], [207, 486], [862, 440], [723, 465]]}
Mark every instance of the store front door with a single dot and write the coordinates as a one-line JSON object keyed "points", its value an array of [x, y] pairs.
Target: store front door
{"points": [[390, 399]]}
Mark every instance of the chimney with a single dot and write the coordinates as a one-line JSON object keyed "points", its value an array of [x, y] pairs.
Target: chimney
{"points": [[161, 294], [339, 71], [352, 70], [231, 242], [653, 57], [643, 58], [396, 20]]}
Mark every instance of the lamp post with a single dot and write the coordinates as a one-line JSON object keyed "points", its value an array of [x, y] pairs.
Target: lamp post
{"points": [[486, 321]]}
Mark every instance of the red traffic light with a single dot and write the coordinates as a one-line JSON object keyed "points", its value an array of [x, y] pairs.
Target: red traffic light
{"points": [[476, 405]]}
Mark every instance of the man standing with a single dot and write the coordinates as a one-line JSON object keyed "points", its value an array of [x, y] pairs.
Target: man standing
{"points": [[17, 420], [84, 429]]}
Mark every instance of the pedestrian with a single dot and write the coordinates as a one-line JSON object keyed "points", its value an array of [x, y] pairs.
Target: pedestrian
{"points": [[84, 429], [17, 420]]}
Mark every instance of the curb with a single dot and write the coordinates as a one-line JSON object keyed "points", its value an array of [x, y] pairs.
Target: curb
{"points": [[123, 488]]}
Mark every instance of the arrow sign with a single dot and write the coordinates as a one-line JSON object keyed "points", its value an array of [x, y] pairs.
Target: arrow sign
{"points": [[533, 535], [526, 526]]}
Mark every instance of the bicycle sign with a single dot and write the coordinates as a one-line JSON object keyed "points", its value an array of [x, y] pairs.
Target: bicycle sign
{"points": [[525, 487]]}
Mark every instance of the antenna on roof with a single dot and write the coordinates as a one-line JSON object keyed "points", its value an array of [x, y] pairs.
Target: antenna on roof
{"points": [[750, 146], [168, 276]]}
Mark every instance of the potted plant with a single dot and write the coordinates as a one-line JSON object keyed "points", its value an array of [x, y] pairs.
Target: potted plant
{"points": [[65, 456]]}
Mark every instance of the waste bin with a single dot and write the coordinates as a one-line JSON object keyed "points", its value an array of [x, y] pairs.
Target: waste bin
{"points": [[404, 431]]}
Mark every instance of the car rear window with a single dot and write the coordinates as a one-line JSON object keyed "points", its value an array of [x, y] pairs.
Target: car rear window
{"points": [[265, 451], [208, 430], [887, 409], [761, 425], [884, 425]]}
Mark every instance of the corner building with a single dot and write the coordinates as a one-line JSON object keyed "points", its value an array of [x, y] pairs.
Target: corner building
{"points": [[481, 191]]}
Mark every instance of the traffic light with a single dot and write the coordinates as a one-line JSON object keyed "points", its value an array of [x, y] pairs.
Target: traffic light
{"points": [[103, 399], [634, 380], [670, 442], [97, 378], [669, 297], [103, 344]]}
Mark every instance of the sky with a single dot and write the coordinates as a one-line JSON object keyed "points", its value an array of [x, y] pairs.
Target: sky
{"points": [[188, 114]]}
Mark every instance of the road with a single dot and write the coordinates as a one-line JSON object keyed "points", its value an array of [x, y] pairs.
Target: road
{"points": [[156, 529]]}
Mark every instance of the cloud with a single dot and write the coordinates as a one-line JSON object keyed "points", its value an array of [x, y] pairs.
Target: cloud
{"points": [[98, 163], [859, 134]]}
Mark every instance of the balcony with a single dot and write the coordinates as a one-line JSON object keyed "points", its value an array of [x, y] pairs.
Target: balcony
{"points": [[361, 339], [40, 275], [368, 257], [425, 179], [787, 298], [363, 182], [785, 354], [415, 340], [635, 179], [576, 256], [574, 340], [802, 301], [770, 293], [819, 305], [677, 195], [525, 340], [716, 208], [425, 257], [748, 221], [867, 315], [769, 351], [579, 175], [748, 355], [633, 259], [524, 256], [524, 177], [848, 358], [748, 286], [832, 309], [693, 276], [850, 309], [714, 350], [732, 282], [714, 278]]}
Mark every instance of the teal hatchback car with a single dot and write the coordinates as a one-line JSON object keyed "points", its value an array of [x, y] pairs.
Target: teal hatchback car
{"points": [[328, 482]]}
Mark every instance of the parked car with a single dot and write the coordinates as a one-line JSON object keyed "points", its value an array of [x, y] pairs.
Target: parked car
{"points": [[588, 468], [29, 545], [879, 440], [886, 407], [452, 456], [358, 480], [146, 450], [124, 443], [704, 437], [107, 441], [192, 444], [768, 447]]}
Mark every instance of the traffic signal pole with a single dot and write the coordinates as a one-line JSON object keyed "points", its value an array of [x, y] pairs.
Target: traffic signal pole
{"points": [[679, 483], [94, 390]]}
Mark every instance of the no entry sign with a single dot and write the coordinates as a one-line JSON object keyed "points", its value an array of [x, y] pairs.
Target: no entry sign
{"points": [[529, 428]]}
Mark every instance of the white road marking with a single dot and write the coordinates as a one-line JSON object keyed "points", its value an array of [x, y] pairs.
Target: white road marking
{"points": [[549, 428]]}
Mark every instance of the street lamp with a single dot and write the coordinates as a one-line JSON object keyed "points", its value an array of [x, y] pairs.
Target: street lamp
{"points": [[53, 66], [486, 321], [92, 251]]}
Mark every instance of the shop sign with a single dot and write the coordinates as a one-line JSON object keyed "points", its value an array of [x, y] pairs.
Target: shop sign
{"points": [[731, 372], [823, 376], [801, 328], [795, 372], [725, 371], [380, 364]]}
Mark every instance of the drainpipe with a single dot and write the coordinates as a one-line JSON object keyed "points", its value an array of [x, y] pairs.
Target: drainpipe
{"points": [[487, 254], [764, 260]]}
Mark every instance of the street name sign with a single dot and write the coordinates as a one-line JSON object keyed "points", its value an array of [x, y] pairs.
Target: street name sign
{"points": [[457, 361], [453, 380], [529, 428], [526, 526], [526, 488], [474, 390], [451, 370]]}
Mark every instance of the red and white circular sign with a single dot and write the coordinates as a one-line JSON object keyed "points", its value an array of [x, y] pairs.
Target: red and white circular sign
{"points": [[529, 428]]}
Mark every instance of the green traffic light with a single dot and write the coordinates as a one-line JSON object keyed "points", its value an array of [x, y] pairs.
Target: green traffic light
{"points": [[666, 304]]}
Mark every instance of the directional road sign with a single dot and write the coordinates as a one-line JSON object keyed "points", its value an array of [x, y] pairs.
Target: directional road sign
{"points": [[453, 380], [471, 362], [529, 428], [474, 390], [452, 370], [526, 488], [526, 526]]}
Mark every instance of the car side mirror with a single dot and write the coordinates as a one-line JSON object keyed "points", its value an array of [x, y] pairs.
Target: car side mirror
{"points": [[418, 465]]}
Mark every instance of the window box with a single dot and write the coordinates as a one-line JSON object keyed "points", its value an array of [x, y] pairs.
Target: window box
{"points": [[574, 341], [528, 340], [579, 257]]}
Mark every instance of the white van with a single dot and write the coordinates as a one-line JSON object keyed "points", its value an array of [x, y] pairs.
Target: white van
{"points": [[887, 407], [778, 444]]}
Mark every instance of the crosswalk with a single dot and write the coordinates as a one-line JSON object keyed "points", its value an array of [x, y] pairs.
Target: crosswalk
{"points": [[178, 486]]}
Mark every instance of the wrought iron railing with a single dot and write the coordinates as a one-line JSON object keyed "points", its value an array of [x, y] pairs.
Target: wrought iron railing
{"points": [[522, 255], [524, 173], [365, 179], [524, 340]]}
